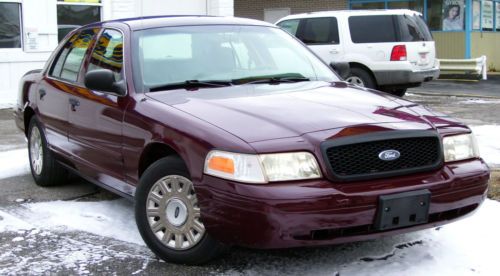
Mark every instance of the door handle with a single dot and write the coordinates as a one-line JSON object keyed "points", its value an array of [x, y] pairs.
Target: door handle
{"points": [[74, 103], [42, 93], [334, 51]]}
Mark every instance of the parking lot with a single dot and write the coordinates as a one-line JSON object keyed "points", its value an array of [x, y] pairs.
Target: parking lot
{"points": [[81, 229]]}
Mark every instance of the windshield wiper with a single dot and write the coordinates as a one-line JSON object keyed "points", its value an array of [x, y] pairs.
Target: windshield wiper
{"points": [[190, 84], [277, 79]]}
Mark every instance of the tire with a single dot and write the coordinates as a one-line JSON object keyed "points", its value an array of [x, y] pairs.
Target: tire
{"points": [[45, 169], [360, 77], [169, 240]]}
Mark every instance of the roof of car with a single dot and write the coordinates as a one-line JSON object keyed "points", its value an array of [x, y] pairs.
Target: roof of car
{"points": [[147, 22], [349, 12]]}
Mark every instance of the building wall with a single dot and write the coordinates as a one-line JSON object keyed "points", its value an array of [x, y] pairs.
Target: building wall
{"points": [[39, 25], [450, 44], [255, 8], [488, 44]]}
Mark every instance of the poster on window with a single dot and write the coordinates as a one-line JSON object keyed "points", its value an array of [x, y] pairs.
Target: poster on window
{"points": [[453, 15], [487, 22], [498, 15], [476, 15]]}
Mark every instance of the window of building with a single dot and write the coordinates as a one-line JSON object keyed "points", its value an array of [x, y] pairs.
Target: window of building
{"points": [[72, 14], [10, 25], [70, 58], [368, 5], [320, 31], [108, 53], [361, 28]]}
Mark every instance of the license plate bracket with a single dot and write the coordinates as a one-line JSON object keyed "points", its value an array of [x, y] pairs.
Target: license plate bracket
{"points": [[402, 210]]}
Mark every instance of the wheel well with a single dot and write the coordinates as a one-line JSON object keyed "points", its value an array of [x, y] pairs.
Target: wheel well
{"points": [[152, 153], [362, 66], [28, 113]]}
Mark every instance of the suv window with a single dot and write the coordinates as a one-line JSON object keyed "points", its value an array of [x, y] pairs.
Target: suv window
{"points": [[320, 31], [70, 58], [411, 30], [373, 28], [290, 26], [108, 53]]}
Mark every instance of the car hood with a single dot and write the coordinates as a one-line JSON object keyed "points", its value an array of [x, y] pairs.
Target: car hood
{"points": [[265, 111]]}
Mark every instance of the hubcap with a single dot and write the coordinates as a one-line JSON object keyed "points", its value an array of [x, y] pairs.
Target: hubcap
{"points": [[36, 151], [173, 213], [356, 81]]}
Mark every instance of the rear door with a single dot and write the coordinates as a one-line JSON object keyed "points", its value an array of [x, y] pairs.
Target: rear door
{"points": [[96, 117], [420, 48], [321, 34], [58, 85]]}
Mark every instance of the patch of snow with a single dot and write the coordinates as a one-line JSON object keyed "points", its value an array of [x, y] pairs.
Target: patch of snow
{"points": [[479, 101], [13, 163], [7, 100], [114, 219], [9, 222], [487, 139], [17, 239]]}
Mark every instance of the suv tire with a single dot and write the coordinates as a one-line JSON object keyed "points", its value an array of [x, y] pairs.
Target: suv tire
{"points": [[168, 216], [361, 77]]}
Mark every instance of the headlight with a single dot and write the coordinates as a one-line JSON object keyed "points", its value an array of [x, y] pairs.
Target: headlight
{"points": [[251, 168], [460, 147]]}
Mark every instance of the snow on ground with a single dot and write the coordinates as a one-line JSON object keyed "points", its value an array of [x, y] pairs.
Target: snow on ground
{"points": [[479, 101], [488, 139], [14, 162], [7, 100]]}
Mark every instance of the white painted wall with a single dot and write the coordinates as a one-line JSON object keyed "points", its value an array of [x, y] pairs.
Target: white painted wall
{"points": [[39, 29]]}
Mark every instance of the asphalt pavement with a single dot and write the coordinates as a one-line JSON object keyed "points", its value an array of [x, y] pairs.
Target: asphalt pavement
{"points": [[467, 88]]}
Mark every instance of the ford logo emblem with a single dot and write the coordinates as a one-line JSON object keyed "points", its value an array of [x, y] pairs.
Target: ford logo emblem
{"points": [[389, 155]]}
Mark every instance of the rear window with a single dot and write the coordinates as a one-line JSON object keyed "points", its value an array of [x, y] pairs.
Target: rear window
{"points": [[320, 31], [413, 28], [372, 29]]}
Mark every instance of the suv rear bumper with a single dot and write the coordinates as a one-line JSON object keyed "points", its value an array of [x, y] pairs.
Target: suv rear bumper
{"points": [[320, 212], [405, 77]]}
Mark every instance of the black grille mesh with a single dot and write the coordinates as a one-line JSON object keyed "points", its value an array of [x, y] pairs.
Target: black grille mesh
{"points": [[362, 158]]}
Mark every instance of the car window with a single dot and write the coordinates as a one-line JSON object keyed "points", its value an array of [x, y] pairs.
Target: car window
{"points": [[68, 63], [320, 31], [176, 54], [372, 29], [290, 26], [413, 30], [108, 53]]}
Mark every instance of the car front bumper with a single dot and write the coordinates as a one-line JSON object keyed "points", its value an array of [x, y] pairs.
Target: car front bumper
{"points": [[406, 77], [320, 212]]}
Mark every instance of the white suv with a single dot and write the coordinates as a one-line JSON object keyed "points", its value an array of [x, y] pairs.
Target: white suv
{"points": [[389, 50]]}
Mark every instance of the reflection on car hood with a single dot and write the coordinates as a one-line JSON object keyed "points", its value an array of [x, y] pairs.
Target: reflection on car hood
{"points": [[263, 112]]}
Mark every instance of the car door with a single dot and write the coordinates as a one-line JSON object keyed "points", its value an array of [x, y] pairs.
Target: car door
{"points": [[96, 117], [321, 34], [56, 87]]}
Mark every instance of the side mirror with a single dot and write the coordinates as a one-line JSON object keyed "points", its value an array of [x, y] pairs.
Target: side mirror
{"points": [[104, 80], [342, 68]]}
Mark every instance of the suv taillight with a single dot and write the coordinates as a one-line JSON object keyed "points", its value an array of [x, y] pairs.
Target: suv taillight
{"points": [[398, 53]]}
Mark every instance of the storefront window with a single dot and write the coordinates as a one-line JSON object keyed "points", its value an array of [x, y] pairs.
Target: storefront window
{"points": [[368, 6], [497, 12], [487, 14], [72, 14], [10, 25], [417, 5]]}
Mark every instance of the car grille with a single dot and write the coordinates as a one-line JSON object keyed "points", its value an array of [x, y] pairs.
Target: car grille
{"points": [[359, 159]]}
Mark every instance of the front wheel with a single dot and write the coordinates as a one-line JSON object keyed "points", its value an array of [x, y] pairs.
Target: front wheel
{"points": [[168, 215]]}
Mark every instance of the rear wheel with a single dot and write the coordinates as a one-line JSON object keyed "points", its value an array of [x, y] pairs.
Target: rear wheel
{"points": [[44, 167], [361, 78], [400, 92], [168, 215]]}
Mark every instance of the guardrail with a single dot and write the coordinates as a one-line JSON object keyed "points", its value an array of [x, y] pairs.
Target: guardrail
{"points": [[468, 66]]}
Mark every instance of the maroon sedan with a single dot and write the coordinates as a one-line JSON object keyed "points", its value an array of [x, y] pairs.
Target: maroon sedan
{"points": [[228, 131]]}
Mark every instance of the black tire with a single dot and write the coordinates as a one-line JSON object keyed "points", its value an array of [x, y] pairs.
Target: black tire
{"points": [[364, 76], [400, 92], [52, 173], [206, 249]]}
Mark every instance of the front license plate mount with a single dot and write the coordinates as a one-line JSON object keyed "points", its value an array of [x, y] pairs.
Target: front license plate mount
{"points": [[402, 210]]}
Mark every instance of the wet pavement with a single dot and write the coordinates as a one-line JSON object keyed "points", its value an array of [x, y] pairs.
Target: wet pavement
{"points": [[31, 248]]}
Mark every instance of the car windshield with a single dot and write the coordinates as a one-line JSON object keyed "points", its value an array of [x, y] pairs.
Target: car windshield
{"points": [[235, 54]]}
